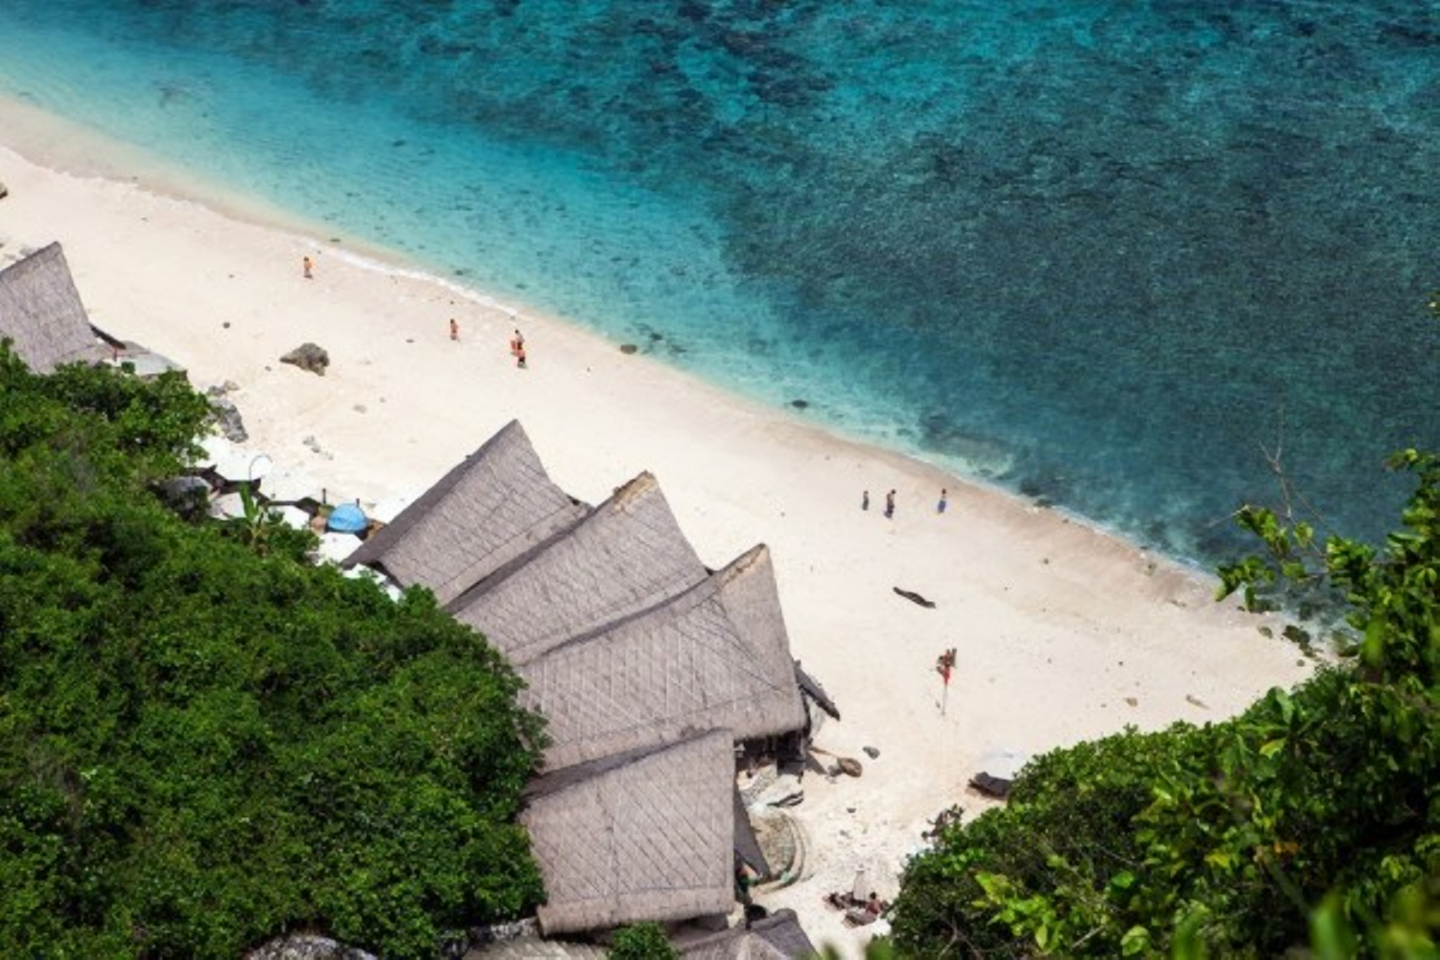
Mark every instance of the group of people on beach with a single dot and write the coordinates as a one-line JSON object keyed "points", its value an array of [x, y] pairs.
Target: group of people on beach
{"points": [[517, 343], [858, 912], [940, 505]]}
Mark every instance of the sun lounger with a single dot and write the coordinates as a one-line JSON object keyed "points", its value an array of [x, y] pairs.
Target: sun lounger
{"points": [[991, 786]]}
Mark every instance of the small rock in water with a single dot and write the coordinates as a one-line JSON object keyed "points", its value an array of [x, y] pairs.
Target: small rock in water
{"points": [[799, 404], [628, 348]]}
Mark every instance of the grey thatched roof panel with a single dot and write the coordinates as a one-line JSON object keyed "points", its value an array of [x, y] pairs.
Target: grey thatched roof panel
{"points": [[776, 937], [716, 656], [782, 931], [747, 845], [534, 948], [41, 312], [649, 839], [734, 944], [491, 508], [628, 555]]}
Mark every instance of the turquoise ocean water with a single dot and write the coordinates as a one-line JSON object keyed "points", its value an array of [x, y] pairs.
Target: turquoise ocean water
{"points": [[1098, 253]]}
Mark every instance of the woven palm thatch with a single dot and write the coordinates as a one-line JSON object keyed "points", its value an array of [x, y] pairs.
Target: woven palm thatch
{"points": [[644, 835], [41, 313], [533, 948], [747, 845], [626, 556], [715, 656], [491, 508], [776, 937]]}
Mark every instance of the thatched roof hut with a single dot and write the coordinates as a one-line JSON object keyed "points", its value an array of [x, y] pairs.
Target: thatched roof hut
{"points": [[715, 656], [41, 313], [776, 937], [628, 555], [493, 507], [644, 835]]}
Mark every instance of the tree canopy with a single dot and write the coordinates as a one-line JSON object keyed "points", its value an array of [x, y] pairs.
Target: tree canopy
{"points": [[201, 746], [1312, 820]]}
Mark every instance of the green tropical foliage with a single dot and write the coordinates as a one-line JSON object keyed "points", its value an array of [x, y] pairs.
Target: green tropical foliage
{"points": [[1310, 821], [642, 941], [204, 743]]}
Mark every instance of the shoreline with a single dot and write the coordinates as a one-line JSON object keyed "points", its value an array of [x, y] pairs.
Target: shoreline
{"points": [[1065, 631], [67, 147]]}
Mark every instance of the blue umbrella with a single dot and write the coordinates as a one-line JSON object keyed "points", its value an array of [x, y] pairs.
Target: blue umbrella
{"points": [[347, 518]]}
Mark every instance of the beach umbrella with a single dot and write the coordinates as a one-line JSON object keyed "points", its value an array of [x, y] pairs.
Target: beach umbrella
{"points": [[1004, 762], [347, 518]]}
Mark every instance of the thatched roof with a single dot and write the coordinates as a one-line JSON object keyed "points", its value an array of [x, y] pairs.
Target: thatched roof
{"points": [[747, 844], [645, 835], [626, 556], [534, 948], [41, 312], [776, 937], [493, 507], [715, 656]]}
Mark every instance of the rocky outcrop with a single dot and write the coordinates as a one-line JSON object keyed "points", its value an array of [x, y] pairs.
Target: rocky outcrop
{"points": [[226, 414], [303, 946], [308, 356]]}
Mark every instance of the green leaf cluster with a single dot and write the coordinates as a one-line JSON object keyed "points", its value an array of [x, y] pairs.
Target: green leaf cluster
{"points": [[642, 941], [202, 747], [1311, 821]]}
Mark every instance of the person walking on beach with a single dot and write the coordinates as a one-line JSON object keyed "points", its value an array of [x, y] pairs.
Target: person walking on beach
{"points": [[517, 349], [890, 505], [865, 500], [454, 329], [940, 507], [308, 266]]}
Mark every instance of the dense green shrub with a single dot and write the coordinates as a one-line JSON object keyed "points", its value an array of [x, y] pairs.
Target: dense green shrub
{"points": [[1313, 819], [642, 941], [202, 747]]}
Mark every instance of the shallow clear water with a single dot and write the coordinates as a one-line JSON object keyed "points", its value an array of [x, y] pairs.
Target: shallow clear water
{"points": [[1100, 253]]}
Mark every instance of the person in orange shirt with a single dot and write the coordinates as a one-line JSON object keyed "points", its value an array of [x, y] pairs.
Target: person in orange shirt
{"points": [[308, 266]]}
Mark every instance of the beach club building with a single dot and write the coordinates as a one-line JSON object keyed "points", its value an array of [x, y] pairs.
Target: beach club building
{"points": [[650, 669]]}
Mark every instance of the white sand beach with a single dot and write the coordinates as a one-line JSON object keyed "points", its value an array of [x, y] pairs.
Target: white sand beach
{"points": [[1062, 632]]}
